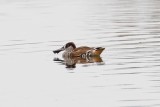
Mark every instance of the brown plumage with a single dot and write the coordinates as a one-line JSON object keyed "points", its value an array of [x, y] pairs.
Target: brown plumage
{"points": [[83, 51]]}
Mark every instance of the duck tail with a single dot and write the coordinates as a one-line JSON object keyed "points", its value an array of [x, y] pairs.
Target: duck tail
{"points": [[98, 50]]}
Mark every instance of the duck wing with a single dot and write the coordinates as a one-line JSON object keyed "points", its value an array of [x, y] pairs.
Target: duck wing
{"points": [[80, 50]]}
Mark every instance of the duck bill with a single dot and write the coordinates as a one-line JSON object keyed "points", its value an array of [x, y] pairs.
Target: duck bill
{"points": [[58, 50]]}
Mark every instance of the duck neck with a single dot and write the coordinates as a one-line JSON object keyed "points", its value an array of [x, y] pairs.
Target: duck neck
{"points": [[69, 49]]}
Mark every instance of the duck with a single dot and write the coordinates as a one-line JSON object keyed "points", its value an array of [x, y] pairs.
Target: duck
{"points": [[70, 50]]}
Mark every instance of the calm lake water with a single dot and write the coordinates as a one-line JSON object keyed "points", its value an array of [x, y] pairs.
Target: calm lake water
{"points": [[126, 75]]}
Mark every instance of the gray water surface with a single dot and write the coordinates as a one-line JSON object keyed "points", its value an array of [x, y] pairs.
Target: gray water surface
{"points": [[126, 75]]}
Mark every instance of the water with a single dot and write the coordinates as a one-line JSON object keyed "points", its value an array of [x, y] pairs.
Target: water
{"points": [[126, 75]]}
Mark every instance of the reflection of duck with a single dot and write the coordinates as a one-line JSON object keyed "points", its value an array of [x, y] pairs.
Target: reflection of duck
{"points": [[71, 62], [70, 50]]}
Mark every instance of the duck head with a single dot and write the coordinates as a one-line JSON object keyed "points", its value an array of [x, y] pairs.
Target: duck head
{"points": [[68, 47]]}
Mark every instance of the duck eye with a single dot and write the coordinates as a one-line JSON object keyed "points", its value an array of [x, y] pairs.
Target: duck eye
{"points": [[66, 46]]}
